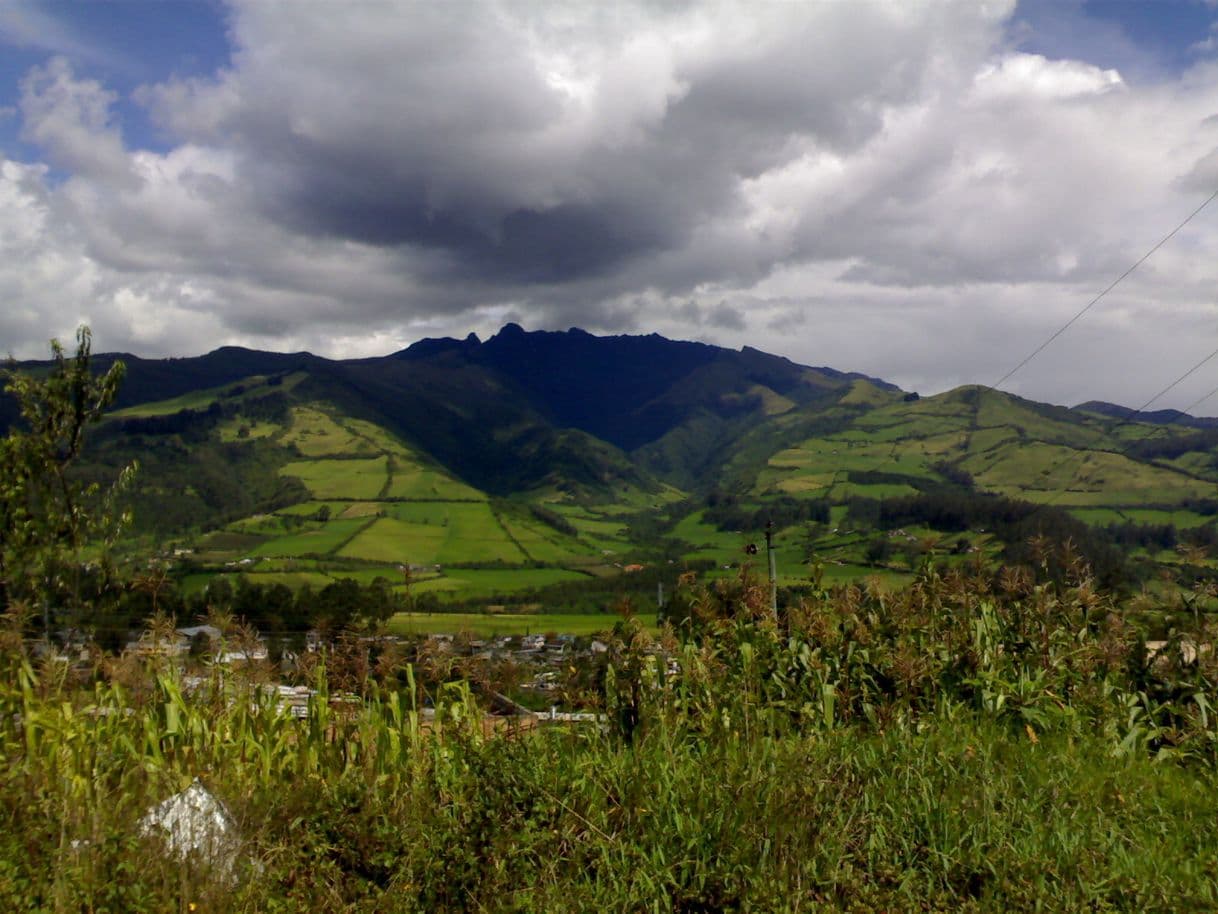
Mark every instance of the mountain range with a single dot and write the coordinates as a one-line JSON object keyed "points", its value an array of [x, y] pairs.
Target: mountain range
{"points": [[539, 448]]}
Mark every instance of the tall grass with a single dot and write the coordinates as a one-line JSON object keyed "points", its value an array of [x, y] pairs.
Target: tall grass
{"points": [[969, 743]]}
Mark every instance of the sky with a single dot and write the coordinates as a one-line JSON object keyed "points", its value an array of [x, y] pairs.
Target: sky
{"points": [[922, 191]]}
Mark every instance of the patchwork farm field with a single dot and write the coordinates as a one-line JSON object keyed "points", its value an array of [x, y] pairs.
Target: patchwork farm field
{"points": [[594, 527], [436, 533], [1007, 446], [416, 482], [321, 540], [314, 433], [375, 500], [376, 504], [342, 478], [543, 544], [390, 540], [486, 582]]}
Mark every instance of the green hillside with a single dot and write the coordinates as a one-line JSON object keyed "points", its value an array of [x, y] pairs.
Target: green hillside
{"points": [[565, 452], [1006, 445], [350, 499]]}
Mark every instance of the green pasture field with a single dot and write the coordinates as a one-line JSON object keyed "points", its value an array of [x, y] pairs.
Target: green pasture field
{"points": [[316, 434], [864, 393], [391, 540], [196, 399], [772, 402], [321, 540], [708, 541], [192, 584], [542, 543], [379, 437], [487, 582], [411, 480], [338, 479], [913, 453], [998, 410], [441, 585], [436, 533], [475, 535], [419, 512], [450, 533], [986, 439], [631, 498], [883, 427], [595, 529], [1008, 447], [1098, 517], [809, 484], [833, 572], [1073, 478], [1181, 518], [1197, 463], [821, 465], [290, 564], [486, 625], [255, 386]]}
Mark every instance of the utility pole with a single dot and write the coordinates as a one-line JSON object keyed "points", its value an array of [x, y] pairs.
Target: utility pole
{"points": [[769, 548]]}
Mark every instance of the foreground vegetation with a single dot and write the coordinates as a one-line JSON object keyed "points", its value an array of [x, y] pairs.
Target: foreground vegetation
{"points": [[970, 743], [487, 625]]}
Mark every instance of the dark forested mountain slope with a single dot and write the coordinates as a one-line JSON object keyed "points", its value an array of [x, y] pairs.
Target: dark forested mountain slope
{"points": [[524, 409]]}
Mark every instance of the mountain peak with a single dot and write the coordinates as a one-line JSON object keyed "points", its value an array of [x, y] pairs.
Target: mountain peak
{"points": [[511, 330]]}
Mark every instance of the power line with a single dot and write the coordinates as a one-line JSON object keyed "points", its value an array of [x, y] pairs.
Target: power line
{"points": [[1198, 402], [1127, 419], [1180, 380], [1112, 285]]}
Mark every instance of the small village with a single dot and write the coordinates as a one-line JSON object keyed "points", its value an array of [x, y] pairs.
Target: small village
{"points": [[536, 669]]}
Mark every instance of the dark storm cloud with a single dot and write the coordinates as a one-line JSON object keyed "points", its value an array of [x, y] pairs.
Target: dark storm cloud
{"points": [[450, 127], [887, 187]]}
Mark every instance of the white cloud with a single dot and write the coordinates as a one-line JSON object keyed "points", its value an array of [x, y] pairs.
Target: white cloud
{"points": [[1016, 75], [70, 118]]}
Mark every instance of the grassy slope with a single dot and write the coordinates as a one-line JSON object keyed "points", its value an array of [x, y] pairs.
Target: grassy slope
{"points": [[378, 503], [1009, 446]]}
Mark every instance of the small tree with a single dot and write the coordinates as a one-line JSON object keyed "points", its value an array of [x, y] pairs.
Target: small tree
{"points": [[48, 515]]}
